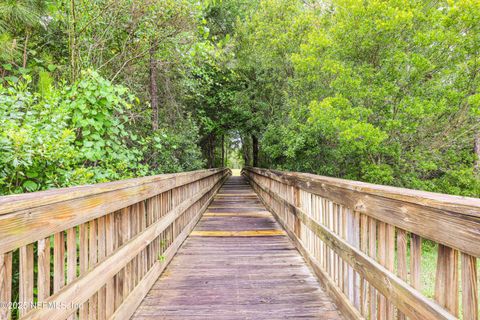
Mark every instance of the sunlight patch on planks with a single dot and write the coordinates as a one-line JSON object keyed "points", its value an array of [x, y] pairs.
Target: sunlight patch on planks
{"points": [[243, 233]]}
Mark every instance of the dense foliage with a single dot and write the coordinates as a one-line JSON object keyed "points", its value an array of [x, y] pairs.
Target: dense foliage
{"points": [[75, 104], [379, 91]]}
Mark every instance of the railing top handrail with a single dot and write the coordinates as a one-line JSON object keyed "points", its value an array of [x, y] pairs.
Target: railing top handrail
{"points": [[459, 204], [26, 201]]}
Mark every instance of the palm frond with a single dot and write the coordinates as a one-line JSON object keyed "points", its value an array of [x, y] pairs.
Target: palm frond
{"points": [[14, 13]]}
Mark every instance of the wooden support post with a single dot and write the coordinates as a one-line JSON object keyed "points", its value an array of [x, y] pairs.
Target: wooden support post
{"points": [[446, 280], [372, 251], [101, 256], [415, 261], [401, 261], [26, 279], [92, 260], [110, 247], [43, 280], [83, 242], [469, 287], [71, 257], [5, 284], [298, 224], [58, 261]]}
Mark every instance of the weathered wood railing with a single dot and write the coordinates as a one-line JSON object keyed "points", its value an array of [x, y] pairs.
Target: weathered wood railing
{"points": [[364, 242], [93, 252]]}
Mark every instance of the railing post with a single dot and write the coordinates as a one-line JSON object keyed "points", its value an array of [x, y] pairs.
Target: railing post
{"points": [[298, 204], [5, 283], [368, 227], [106, 233]]}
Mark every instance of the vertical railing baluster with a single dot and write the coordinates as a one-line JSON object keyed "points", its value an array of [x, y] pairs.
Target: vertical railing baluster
{"points": [[446, 279], [469, 287], [43, 275], [109, 249], [101, 229], [92, 260], [71, 258], [5, 284], [372, 252], [401, 260], [26, 279], [415, 261], [83, 242], [364, 248], [390, 263]]}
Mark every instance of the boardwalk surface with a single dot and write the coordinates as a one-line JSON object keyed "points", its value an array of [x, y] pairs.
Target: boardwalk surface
{"points": [[237, 264]]}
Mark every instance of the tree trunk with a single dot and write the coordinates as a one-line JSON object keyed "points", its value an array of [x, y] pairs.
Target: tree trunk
{"points": [[73, 41], [212, 151], [153, 85], [223, 150], [255, 150], [27, 37], [477, 153], [226, 155], [246, 152]]}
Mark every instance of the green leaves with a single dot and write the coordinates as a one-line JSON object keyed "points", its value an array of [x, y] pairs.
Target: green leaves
{"points": [[61, 139], [381, 91], [34, 140], [30, 185], [96, 105]]}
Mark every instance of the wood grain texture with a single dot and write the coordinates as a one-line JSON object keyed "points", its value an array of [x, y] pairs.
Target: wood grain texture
{"points": [[113, 257], [110, 247], [71, 257], [458, 204], [238, 233], [364, 247], [449, 220], [5, 284], [43, 279], [101, 256], [85, 286], [469, 287], [390, 263], [402, 261], [92, 260], [239, 262], [372, 253], [415, 261], [26, 279], [397, 291], [28, 201], [83, 261], [446, 280], [344, 305], [58, 261], [255, 277], [128, 307], [25, 221]]}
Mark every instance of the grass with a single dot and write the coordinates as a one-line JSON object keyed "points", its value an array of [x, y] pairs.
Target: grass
{"points": [[428, 271]]}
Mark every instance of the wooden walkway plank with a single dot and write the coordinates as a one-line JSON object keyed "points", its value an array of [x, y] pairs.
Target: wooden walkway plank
{"points": [[238, 263]]}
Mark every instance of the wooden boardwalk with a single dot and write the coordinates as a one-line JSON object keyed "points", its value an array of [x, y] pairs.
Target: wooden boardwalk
{"points": [[237, 264], [171, 247]]}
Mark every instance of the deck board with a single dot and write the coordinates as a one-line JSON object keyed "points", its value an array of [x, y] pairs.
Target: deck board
{"points": [[237, 277]]}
